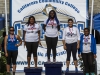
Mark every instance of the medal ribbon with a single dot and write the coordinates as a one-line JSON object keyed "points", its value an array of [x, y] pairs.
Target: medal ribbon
{"points": [[86, 39], [71, 31], [32, 27], [52, 22], [12, 38]]}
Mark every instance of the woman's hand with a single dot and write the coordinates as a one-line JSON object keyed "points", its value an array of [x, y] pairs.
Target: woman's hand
{"points": [[78, 46], [79, 55], [65, 48], [6, 54], [95, 56], [24, 44], [40, 43], [44, 37], [17, 45]]}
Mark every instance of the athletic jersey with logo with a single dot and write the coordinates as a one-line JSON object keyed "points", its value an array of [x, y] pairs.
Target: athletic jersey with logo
{"points": [[31, 33], [86, 44], [51, 28], [11, 42], [71, 35]]}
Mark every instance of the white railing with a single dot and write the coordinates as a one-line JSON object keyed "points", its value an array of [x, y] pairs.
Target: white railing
{"points": [[6, 17]]}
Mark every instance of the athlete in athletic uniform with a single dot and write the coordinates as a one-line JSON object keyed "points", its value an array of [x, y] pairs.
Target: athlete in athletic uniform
{"points": [[71, 40], [31, 39], [88, 51], [11, 49], [51, 28]]}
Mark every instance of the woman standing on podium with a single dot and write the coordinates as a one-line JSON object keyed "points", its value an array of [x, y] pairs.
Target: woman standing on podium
{"points": [[71, 41], [11, 49], [51, 28], [31, 39], [88, 51]]}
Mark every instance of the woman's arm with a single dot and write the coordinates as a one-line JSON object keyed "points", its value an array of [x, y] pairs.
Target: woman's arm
{"points": [[24, 32], [94, 45], [63, 40], [58, 27], [5, 43], [39, 38], [64, 37], [39, 34], [44, 27], [20, 41], [78, 42]]}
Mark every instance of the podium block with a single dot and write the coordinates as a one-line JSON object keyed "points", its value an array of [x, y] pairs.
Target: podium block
{"points": [[53, 68], [33, 71], [74, 73]]}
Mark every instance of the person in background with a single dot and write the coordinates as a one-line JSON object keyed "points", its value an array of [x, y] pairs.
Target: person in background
{"points": [[2, 44], [31, 39], [11, 49], [87, 51], [97, 36], [71, 41], [51, 28]]}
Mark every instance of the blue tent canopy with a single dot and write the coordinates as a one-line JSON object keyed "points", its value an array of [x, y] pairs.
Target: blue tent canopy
{"points": [[2, 23], [96, 22]]}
